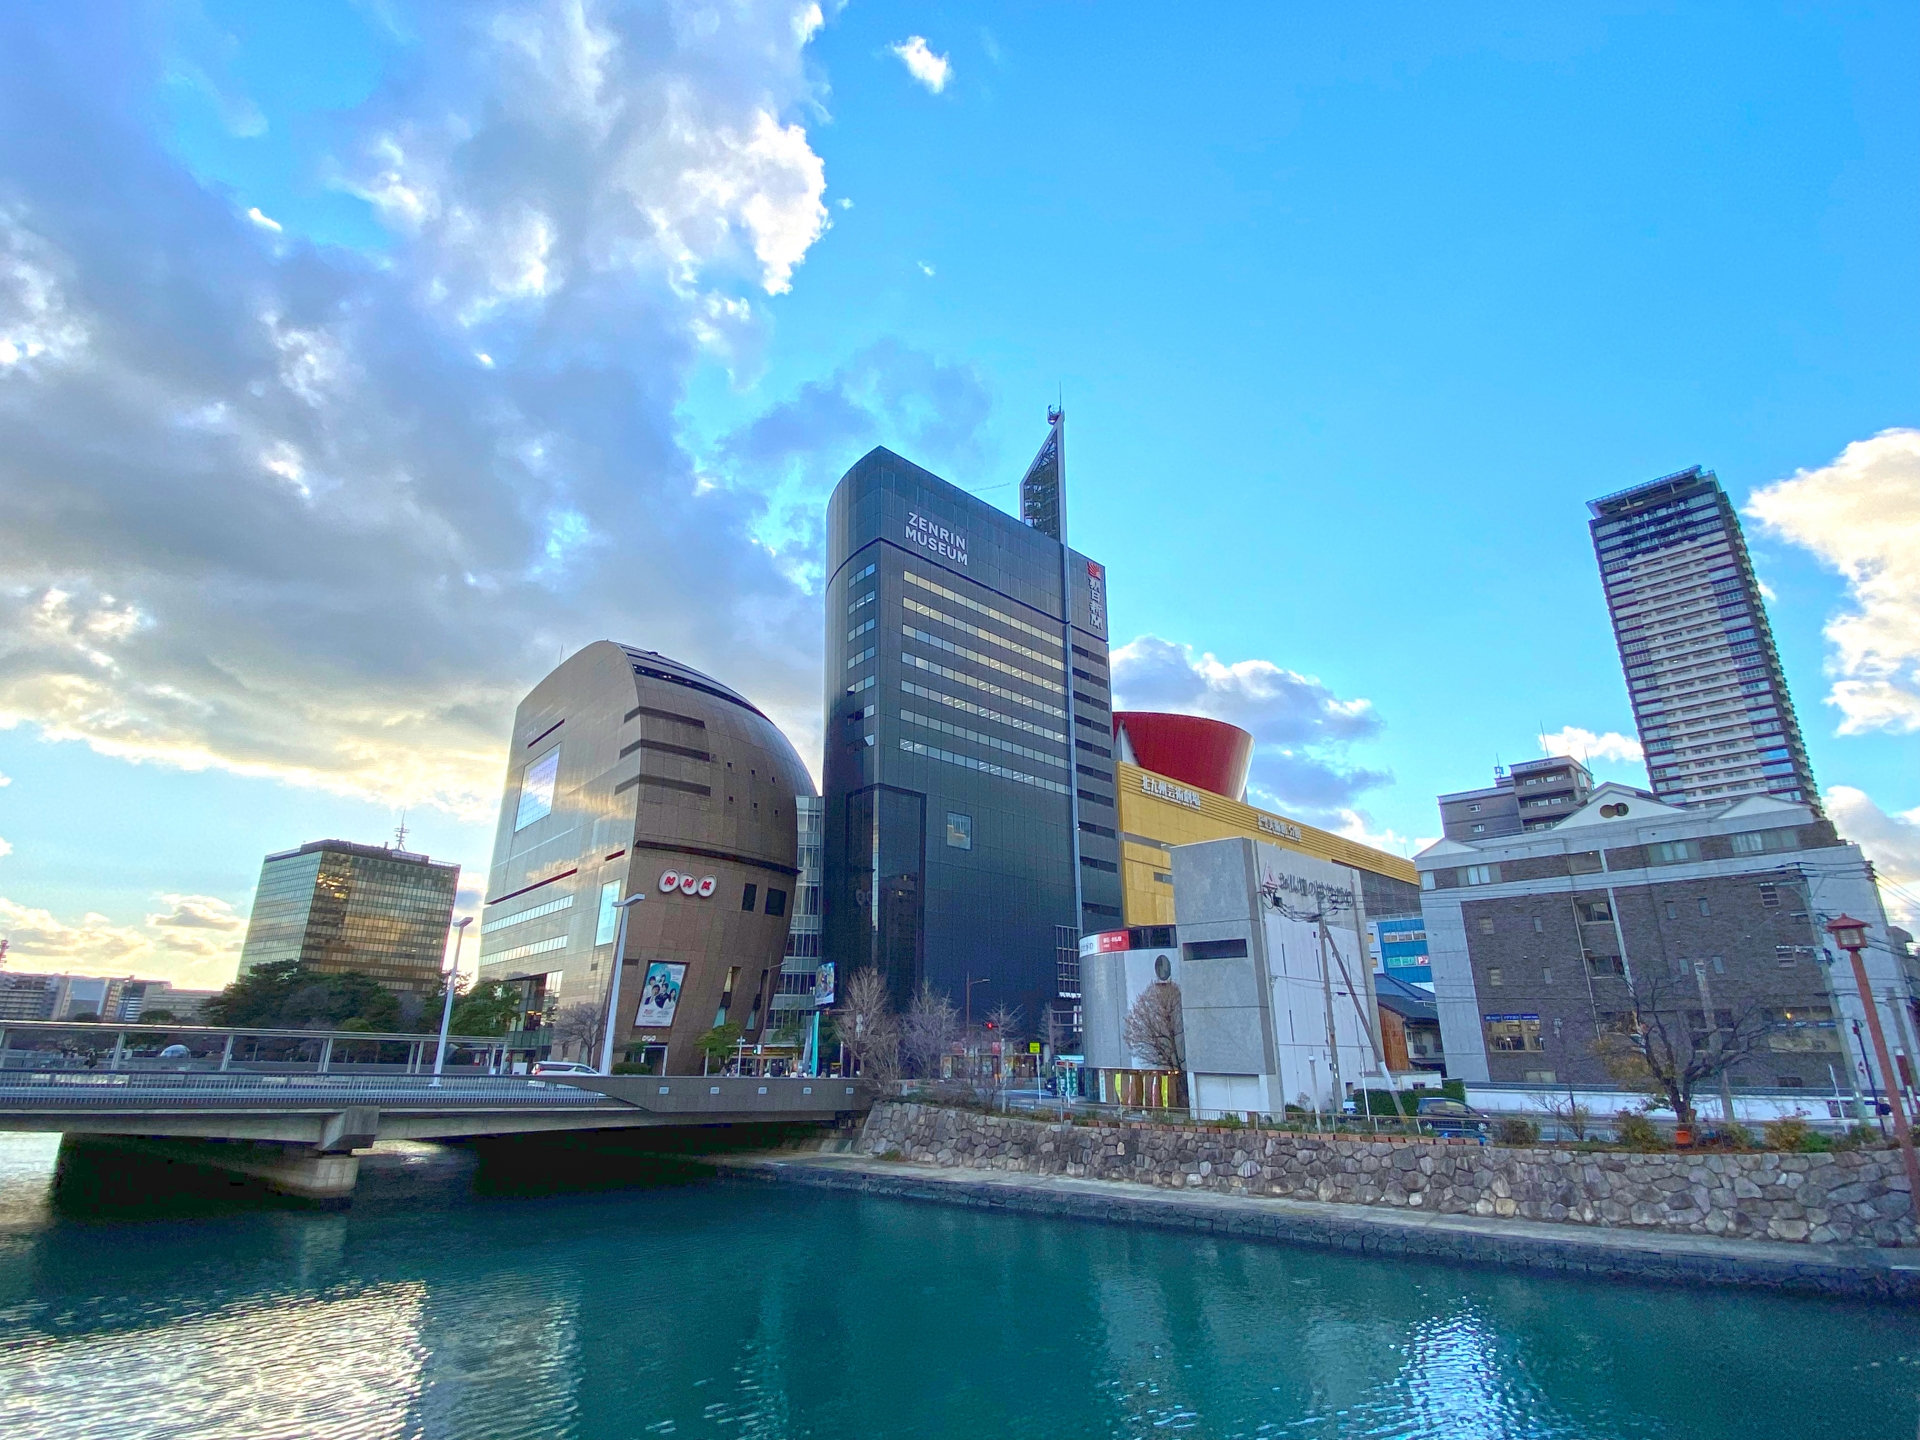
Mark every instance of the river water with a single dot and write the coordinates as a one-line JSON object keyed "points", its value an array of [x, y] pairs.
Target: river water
{"points": [[467, 1301]]}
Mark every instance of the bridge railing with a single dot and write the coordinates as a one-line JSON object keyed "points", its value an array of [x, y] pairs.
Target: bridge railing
{"points": [[48, 1045], [103, 1089]]}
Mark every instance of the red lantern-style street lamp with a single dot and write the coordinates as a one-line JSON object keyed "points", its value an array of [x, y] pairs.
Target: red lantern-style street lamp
{"points": [[1851, 936]]}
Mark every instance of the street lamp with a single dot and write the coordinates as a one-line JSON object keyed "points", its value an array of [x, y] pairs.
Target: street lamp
{"points": [[973, 1058], [446, 1010], [613, 985], [1851, 936]]}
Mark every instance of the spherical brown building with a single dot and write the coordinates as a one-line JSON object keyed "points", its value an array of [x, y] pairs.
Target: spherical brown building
{"points": [[633, 774]]}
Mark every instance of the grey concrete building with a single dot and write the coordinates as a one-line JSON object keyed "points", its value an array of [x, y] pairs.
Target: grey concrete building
{"points": [[1709, 695], [1276, 984], [632, 773], [1535, 938], [1533, 795]]}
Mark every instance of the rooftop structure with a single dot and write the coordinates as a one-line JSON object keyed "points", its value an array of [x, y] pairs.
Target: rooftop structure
{"points": [[1533, 795]]}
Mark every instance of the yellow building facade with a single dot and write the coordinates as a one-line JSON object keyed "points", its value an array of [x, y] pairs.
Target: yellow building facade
{"points": [[1157, 813]]}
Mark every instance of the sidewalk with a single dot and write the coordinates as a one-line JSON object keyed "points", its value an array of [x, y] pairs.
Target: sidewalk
{"points": [[1593, 1252]]}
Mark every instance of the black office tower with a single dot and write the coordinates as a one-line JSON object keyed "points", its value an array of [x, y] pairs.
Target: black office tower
{"points": [[970, 821]]}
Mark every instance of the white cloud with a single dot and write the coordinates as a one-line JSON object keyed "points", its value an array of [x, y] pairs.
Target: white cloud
{"points": [[926, 269], [1300, 727], [1585, 745], [1861, 515], [260, 508], [265, 222], [922, 64], [844, 203], [1891, 842], [6, 848], [1357, 825], [194, 940]]}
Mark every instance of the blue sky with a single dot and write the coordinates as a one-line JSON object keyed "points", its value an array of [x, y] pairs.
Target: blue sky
{"points": [[1351, 315]]}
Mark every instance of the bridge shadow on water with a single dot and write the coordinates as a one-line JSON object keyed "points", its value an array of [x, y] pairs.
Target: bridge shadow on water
{"points": [[114, 1179]]}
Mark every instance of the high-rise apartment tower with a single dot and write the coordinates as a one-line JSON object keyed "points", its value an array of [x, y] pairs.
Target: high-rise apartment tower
{"points": [[1709, 696]]}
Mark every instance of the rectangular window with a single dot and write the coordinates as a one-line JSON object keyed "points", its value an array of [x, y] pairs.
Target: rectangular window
{"points": [[609, 918], [1426, 880], [1486, 924], [1673, 852], [1482, 875], [1598, 964], [1595, 910], [776, 901], [1719, 965], [1539, 925], [959, 831], [749, 897], [1705, 909], [1784, 956], [1673, 911], [1546, 977], [1215, 949], [1513, 1032], [1496, 976], [536, 789], [1770, 896]]}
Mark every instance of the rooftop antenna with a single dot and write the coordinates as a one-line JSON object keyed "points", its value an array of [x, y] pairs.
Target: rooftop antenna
{"points": [[400, 832]]}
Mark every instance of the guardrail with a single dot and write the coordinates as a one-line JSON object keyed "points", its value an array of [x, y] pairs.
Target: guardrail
{"points": [[66, 1089], [43, 1045]]}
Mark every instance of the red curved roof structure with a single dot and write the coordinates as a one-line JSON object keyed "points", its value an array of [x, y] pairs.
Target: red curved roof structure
{"points": [[1208, 754]]}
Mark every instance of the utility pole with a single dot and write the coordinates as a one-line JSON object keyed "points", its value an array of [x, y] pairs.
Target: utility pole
{"points": [[446, 1010], [613, 983], [1333, 1039], [1851, 936]]}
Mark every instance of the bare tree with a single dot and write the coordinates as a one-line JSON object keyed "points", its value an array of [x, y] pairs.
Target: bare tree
{"points": [[1004, 1021], [932, 1023], [1566, 1110], [1668, 1046], [580, 1024], [1156, 1028], [869, 1028]]}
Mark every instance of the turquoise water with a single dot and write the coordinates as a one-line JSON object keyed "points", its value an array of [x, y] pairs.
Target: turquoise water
{"points": [[445, 1304]]}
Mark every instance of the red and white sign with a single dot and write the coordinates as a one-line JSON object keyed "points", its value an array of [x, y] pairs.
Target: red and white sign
{"points": [[703, 885], [1105, 943]]}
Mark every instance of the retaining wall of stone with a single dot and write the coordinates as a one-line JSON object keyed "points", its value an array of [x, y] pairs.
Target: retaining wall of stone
{"points": [[1851, 1198]]}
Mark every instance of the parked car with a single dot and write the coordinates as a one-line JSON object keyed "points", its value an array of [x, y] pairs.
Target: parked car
{"points": [[1441, 1115], [561, 1067]]}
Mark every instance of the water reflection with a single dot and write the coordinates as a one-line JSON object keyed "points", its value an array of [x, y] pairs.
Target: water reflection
{"points": [[456, 1301]]}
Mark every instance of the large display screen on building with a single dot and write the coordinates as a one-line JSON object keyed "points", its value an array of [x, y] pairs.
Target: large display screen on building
{"points": [[536, 789], [659, 994]]}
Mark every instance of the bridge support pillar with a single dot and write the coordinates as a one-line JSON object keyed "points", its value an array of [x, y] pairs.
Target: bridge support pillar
{"points": [[299, 1172]]}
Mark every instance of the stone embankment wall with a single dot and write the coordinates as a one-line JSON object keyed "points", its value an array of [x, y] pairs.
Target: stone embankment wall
{"points": [[1853, 1198]]}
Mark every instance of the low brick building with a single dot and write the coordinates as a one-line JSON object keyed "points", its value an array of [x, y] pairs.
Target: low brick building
{"points": [[1541, 941]]}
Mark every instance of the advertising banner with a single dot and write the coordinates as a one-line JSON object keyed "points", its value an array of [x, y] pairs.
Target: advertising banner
{"points": [[660, 994], [823, 995]]}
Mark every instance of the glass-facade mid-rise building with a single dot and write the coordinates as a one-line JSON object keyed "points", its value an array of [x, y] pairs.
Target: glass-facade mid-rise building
{"points": [[970, 830], [338, 906], [1709, 695]]}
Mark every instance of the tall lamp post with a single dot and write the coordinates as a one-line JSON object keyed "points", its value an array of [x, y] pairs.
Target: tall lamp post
{"points": [[973, 1058], [1851, 936], [446, 1010], [613, 985]]}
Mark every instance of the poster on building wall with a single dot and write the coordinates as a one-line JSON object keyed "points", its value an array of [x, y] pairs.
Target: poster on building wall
{"points": [[660, 994], [823, 995]]}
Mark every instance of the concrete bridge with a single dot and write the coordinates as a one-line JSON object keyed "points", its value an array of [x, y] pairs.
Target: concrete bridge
{"points": [[297, 1133]]}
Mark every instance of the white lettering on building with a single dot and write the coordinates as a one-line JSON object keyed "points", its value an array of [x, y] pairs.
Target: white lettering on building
{"points": [[1097, 596], [1179, 794], [936, 539], [1285, 829]]}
